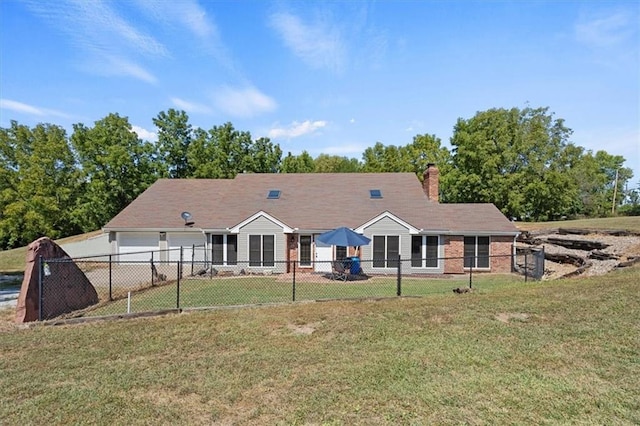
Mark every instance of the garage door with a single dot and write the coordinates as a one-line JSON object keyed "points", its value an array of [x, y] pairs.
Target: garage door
{"points": [[186, 241], [141, 244]]}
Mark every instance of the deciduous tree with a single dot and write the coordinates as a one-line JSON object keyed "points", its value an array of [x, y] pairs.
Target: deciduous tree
{"points": [[174, 137], [38, 184], [116, 167]]}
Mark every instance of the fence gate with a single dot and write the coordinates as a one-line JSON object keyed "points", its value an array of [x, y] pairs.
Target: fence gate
{"points": [[538, 263]]}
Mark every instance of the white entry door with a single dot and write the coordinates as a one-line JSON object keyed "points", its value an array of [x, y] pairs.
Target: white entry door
{"points": [[324, 256]]}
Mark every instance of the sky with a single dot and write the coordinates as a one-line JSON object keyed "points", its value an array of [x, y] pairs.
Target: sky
{"points": [[331, 77]]}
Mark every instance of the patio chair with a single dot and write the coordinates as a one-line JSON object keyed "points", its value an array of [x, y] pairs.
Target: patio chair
{"points": [[338, 271]]}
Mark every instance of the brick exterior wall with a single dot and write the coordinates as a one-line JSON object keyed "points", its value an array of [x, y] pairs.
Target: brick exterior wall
{"points": [[292, 249], [453, 247], [501, 246], [431, 182]]}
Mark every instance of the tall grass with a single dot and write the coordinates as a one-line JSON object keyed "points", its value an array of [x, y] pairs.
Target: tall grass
{"points": [[562, 352]]}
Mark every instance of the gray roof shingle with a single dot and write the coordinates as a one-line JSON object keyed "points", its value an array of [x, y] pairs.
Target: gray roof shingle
{"points": [[308, 201]]}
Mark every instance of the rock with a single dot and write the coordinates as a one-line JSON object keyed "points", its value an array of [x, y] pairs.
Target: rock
{"points": [[600, 255], [65, 288], [578, 244], [461, 290]]}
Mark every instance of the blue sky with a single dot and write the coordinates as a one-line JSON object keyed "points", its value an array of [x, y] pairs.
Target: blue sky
{"points": [[326, 77]]}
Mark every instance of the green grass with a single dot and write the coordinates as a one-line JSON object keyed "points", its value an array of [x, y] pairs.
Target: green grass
{"points": [[562, 352], [629, 223], [197, 293], [12, 261]]}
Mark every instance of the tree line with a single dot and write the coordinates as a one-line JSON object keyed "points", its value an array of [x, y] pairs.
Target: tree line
{"points": [[519, 159]]}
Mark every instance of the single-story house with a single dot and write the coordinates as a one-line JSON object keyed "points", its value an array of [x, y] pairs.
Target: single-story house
{"points": [[261, 221]]}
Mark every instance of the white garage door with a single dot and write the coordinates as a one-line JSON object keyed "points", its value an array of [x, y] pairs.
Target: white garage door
{"points": [[141, 244], [186, 241]]}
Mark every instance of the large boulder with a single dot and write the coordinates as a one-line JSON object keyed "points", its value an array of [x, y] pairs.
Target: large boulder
{"points": [[65, 288]]}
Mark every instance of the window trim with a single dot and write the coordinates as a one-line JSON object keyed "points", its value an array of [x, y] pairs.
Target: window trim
{"points": [[423, 252], [225, 250], [476, 256], [262, 251], [388, 263]]}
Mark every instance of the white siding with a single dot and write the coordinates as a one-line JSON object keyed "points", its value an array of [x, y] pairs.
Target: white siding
{"points": [[386, 226], [186, 240], [140, 243], [262, 226], [93, 246]]}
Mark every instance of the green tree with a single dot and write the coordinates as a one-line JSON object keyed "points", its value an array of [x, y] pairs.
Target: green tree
{"points": [[116, 167], [325, 163], [510, 158], [38, 184], [414, 157], [302, 163], [174, 137], [265, 156], [424, 150], [222, 152]]}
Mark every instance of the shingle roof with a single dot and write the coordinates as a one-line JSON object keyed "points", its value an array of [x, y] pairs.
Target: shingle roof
{"points": [[308, 201]]}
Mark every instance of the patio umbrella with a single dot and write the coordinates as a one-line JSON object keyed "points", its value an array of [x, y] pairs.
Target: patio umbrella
{"points": [[343, 237]]}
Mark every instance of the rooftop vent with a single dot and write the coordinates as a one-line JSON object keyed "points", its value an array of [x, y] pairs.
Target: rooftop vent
{"points": [[375, 193], [273, 194]]}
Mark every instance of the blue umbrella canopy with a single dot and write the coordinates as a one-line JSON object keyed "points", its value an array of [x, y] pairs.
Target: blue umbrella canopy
{"points": [[343, 237]]}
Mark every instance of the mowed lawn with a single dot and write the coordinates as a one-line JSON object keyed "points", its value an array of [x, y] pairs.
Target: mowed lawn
{"points": [[257, 289], [561, 352]]}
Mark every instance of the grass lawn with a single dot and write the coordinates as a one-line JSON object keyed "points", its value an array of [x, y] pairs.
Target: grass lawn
{"points": [[561, 352], [629, 223], [197, 293]]}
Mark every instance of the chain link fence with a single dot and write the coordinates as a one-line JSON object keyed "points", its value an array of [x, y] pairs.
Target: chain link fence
{"points": [[186, 279]]}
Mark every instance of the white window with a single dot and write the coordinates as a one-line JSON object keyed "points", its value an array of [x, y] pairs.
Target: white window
{"points": [[386, 250], [224, 249], [424, 251], [261, 250], [476, 252]]}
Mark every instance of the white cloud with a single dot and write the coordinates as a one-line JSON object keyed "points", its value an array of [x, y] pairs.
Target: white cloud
{"points": [[296, 129], [145, 134], [191, 106], [345, 149], [104, 38], [245, 102], [20, 107], [186, 12], [121, 66], [604, 31], [319, 44]]}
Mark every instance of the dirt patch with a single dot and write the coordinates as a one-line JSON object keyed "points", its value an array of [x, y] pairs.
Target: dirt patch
{"points": [[303, 329], [507, 317]]}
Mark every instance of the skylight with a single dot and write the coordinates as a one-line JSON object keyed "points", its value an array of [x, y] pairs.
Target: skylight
{"points": [[273, 194], [375, 193]]}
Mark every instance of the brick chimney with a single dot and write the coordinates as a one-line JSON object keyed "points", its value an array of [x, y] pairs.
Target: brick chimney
{"points": [[431, 182]]}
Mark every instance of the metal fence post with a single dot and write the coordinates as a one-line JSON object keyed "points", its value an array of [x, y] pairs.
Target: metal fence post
{"points": [[40, 284], [153, 270], [193, 257], [294, 280], [178, 283], [110, 277], [526, 266], [181, 259], [399, 284], [471, 272]]}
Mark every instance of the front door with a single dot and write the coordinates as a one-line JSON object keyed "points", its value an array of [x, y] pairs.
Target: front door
{"points": [[324, 256]]}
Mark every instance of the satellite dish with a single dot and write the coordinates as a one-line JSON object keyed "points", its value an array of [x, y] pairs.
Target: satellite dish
{"points": [[187, 218]]}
